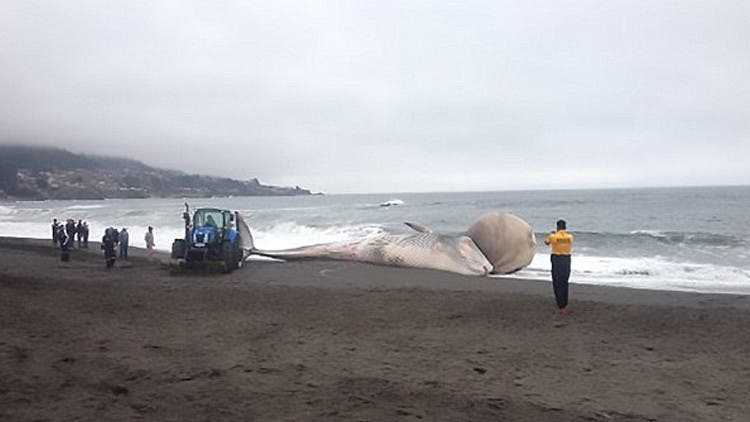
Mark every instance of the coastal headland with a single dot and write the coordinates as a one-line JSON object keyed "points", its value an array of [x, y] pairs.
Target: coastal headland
{"points": [[41, 173], [335, 341]]}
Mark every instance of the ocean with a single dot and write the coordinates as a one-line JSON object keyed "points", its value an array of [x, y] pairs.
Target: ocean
{"points": [[687, 239]]}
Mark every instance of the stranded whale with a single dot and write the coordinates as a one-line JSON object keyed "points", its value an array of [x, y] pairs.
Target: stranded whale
{"points": [[498, 243]]}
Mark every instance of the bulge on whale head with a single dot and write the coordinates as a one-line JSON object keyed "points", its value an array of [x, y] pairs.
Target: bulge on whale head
{"points": [[507, 241]]}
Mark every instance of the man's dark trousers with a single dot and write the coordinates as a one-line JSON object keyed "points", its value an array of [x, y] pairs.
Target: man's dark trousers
{"points": [[560, 276]]}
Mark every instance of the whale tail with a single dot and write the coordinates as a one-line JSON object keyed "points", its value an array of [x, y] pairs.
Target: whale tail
{"points": [[246, 236]]}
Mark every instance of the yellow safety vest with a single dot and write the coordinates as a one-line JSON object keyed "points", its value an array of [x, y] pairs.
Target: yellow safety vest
{"points": [[561, 242]]}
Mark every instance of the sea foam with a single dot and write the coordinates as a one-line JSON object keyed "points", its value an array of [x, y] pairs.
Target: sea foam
{"points": [[656, 273]]}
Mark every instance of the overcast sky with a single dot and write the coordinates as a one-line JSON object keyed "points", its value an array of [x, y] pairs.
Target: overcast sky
{"points": [[389, 96]]}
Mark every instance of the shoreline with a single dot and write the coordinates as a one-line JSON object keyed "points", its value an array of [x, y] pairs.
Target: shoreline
{"points": [[328, 340], [429, 279]]}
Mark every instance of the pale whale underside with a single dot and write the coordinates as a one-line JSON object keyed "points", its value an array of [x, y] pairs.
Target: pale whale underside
{"points": [[496, 243]]}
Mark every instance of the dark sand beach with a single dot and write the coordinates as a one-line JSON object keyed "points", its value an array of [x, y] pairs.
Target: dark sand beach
{"points": [[344, 341]]}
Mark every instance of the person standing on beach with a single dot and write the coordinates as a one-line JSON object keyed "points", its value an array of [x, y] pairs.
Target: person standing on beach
{"points": [[124, 239], [64, 240], [116, 237], [85, 235], [79, 233], [150, 243], [55, 229], [108, 246], [70, 230], [562, 246]]}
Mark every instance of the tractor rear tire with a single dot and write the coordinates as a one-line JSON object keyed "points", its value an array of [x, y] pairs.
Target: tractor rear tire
{"points": [[179, 248], [227, 255]]}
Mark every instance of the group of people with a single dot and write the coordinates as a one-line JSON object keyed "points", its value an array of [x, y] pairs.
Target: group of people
{"points": [[113, 242], [67, 234]]}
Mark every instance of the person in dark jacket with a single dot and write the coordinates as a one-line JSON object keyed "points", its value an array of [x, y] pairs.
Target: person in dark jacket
{"points": [[55, 229], [64, 241], [70, 229], [79, 233], [108, 246], [85, 235], [116, 235]]}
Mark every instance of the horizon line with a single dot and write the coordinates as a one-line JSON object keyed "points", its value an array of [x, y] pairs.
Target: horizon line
{"points": [[544, 189]]}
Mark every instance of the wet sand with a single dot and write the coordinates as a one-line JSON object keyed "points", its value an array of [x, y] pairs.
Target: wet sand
{"points": [[345, 341]]}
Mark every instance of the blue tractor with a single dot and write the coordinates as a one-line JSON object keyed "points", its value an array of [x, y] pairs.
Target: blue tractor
{"points": [[211, 235]]}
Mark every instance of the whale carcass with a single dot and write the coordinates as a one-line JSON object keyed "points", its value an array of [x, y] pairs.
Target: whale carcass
{"points": [[497, 243]]}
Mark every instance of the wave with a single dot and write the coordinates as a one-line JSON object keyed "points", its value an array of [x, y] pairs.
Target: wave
{"points": [[292, 235], [391, 203], [138, 213], [25, 229], [84, 207], [6, 210], [691, 237], [249, 212], [661, 236], [385, 204], [646, 273]]}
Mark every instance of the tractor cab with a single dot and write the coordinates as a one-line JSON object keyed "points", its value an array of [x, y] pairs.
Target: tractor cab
{"points": [[210, 226], [210, 217]]}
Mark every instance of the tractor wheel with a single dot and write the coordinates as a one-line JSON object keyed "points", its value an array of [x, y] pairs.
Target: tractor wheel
{"points": [[178, 249], [227, 255]]}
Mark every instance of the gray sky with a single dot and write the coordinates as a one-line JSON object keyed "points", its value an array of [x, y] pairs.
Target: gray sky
{"points": [[389, 96]]}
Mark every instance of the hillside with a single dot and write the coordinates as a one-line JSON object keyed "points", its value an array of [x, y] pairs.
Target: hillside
{"points": [[35, 173]]}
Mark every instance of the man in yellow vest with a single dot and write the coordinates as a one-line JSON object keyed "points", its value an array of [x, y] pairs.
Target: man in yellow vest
{"points": [[562, 245]]}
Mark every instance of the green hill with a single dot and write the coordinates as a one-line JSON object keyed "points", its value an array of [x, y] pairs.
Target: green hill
{"points": [[51, 173]]}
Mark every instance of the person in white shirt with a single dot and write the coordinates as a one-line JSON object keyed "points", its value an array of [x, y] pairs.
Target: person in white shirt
{"points": [[150, 243]]}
